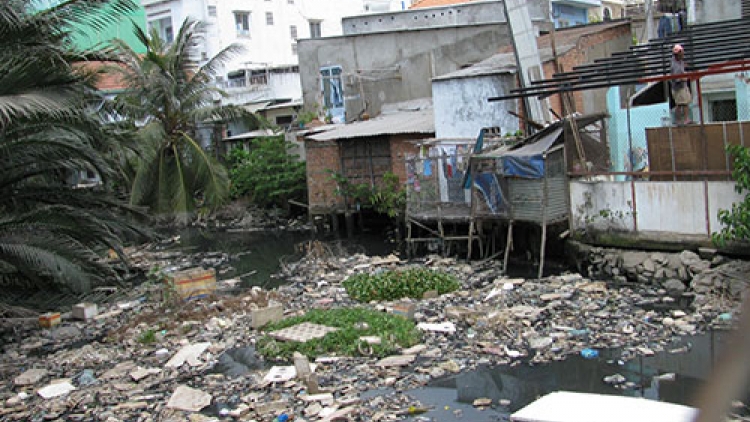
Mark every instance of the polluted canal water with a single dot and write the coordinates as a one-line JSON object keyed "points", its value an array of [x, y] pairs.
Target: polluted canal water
{"points": [[675, 374], [255, 256]]}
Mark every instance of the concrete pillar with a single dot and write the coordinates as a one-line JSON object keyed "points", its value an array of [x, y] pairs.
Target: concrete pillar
{"points": [[691, 12], [649, 20]]}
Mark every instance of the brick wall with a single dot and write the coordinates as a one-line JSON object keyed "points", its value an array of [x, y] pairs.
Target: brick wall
{"points": [[588, 48], [402, 147], [322, 158]]}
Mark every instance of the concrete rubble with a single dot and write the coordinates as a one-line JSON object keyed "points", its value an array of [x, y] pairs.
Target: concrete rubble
{"points": [[148, 364]]}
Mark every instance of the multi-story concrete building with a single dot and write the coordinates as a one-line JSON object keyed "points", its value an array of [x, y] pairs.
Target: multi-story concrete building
{"points": [[392, 57], [266, 73], [565, 13]]}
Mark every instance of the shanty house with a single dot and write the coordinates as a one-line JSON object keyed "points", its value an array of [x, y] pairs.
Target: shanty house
{"points": [[363, 152]]}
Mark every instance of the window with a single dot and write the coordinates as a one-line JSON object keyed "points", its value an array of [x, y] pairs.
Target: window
{"points": [[293, 31], [269, 18], [212, 11], [315, 29], [290, 1], [333, 88], [242, 23], [168, 34], [724, 110], [164, 27], [294, 49], [284, 120]]}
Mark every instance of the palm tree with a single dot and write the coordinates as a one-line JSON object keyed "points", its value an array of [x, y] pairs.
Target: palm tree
{"points": [[170, 95], [50, 232]]}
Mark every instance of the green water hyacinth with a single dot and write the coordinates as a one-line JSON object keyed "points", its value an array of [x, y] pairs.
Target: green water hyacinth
{"points": [[393, 285]]}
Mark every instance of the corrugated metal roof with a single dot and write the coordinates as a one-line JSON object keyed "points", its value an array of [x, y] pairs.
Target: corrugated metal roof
{"points": [[252, 134], [418, 121], [255, 107], [497, 64], [296, 103]]}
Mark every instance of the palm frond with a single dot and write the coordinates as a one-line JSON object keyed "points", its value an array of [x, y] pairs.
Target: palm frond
{"points": [[214, 177]]}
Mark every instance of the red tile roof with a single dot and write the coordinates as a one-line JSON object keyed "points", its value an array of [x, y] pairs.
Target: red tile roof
{"points": [[107, 79]]}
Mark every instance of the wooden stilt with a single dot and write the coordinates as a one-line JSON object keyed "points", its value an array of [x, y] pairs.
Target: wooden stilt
{"points": [[541, 250], [409, 242], [508, 243], [334, 222], [471, 240]]}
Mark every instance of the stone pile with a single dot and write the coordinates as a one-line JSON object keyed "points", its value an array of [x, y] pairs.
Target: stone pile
{"points": [[687, 272], [141, 361]]}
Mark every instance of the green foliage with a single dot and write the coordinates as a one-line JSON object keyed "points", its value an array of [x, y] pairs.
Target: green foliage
{"points": [[268, 174], [306, 117], [736, 221], [353, 323], [391, 285], [52, 235], [147, 337], [172, 95], [386, 198]]}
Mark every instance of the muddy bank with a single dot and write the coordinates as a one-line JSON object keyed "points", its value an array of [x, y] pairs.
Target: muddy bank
{"points": [[145, 357]]}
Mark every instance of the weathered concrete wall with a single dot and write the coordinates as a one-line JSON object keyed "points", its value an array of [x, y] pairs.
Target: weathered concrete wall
{"points": [[660, 209], [461, 107], [392, 67], [714, 10], [473, 13]]}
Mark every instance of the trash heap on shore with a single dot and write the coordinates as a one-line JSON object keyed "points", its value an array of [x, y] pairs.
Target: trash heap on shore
{"points": [[153, 358]]}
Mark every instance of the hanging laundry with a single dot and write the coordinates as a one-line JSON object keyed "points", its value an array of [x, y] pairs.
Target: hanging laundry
{"points": [[428, 167]]}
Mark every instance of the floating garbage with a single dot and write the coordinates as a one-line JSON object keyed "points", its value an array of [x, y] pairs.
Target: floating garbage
{"points": [[589, 353]]}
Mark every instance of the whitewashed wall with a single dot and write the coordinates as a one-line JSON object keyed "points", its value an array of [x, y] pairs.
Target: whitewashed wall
{"points": [[461, 107], [678, 208]]}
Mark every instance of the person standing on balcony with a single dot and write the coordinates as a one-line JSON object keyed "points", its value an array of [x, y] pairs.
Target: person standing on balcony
{"points": [[680, 87]]}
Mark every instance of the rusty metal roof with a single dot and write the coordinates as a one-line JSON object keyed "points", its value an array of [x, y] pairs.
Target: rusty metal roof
{"points": [[421, 121]]}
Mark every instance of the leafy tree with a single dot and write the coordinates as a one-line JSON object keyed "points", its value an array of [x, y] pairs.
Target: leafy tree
{"points": [[52, 234], [170, 94], [736, 221], [385, 198], [269, 174]]}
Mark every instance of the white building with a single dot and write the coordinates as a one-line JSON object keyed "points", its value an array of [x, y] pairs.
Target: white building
{"points": [[268, 29]]}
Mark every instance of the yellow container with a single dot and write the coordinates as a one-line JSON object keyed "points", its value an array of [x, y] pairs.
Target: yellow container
{"points": [[49, 319], [194, 283]]}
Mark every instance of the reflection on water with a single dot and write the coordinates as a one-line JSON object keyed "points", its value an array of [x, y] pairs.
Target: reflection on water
{"points": [[522, 384], [256, 255]]}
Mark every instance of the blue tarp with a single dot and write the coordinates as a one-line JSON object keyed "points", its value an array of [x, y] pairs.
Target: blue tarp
{"points": [[528, 160], [488, 184], [526, 167]]}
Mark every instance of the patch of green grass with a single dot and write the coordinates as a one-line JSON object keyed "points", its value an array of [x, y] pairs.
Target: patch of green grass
{"points": [[391, 285], [147, 337], [353, 323]]}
